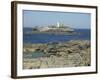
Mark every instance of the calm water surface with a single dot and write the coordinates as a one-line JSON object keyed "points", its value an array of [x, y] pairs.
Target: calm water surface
{"points": [[84, 34]]}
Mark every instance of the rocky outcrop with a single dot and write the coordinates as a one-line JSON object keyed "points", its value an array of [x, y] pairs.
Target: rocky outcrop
{"points": [[60, 54]]}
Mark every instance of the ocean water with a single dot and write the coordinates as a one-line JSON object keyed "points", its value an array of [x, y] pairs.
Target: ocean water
{"points": [[83, 34]]}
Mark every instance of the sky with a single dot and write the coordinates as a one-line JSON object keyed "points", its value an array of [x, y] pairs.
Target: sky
{"points": [[33, 18]]}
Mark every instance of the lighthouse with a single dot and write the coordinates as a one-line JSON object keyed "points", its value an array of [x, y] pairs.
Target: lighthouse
{"points": [[58, 24]]}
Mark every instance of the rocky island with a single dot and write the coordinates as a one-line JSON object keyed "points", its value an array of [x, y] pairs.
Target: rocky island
{"points": [[53, 29]]}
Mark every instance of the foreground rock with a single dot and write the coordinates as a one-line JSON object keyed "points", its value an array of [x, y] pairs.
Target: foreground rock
{"points": [[58, 54]]}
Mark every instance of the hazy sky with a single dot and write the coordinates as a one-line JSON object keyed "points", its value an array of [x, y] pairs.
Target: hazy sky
{"points": [[43, 18]]}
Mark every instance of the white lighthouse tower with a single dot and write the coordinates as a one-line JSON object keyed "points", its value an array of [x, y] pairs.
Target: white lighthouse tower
{"points": [[58, 25]]}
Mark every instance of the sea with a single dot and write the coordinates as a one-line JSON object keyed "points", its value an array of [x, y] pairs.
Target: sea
{"points": [[82, 34]]}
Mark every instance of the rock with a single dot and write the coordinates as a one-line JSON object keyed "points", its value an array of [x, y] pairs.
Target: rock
{"points": [[61, 54], [30, 49], [75, 59], [83, 46], [31, 63], [86, 56], [69, 51], [44, 64], [52, 50]]}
